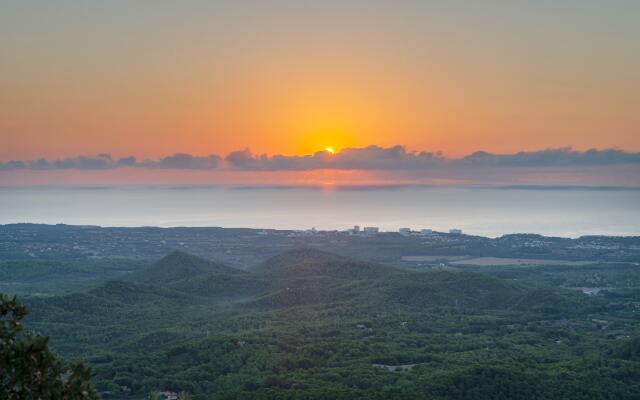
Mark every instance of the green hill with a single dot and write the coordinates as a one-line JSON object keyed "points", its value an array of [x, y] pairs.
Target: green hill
{"points": [[231, 285], [177, 266], [309, 276], [136, 293], [199, 277], [308, 263], [311, 324]]}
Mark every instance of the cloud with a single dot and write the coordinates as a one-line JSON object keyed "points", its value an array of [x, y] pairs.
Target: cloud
{"points": [[395, 158], [101, 161], [39, 164], [188, 161], [105, 161], [372, 157], [553, 157], [398, 158], [13, 164], [245, 160], [127, 161]]}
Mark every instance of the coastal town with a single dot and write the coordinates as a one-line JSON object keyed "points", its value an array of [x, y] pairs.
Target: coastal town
{"points": [[245, 247]]}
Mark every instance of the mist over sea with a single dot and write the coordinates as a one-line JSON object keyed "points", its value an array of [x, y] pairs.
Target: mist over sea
{"points": [[487, 211]]}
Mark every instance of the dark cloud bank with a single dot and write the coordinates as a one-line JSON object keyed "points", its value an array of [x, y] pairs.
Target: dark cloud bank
{"points": [[369, 158]]}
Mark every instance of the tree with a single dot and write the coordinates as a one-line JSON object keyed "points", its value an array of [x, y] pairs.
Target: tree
{"points": [[28, 370]]}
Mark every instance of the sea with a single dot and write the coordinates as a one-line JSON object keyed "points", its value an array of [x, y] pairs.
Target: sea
{"points": [[478, 210]]}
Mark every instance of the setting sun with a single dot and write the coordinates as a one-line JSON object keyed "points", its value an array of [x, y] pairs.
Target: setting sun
{"points": [[329, 150]]}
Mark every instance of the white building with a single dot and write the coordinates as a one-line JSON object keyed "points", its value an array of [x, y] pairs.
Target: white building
{"points": [[455, 231], [371, 230]]}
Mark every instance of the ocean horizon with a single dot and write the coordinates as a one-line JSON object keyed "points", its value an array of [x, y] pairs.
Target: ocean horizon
{"points": [[567, 211]]}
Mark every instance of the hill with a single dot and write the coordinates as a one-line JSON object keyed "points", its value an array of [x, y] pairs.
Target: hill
{"points": [[311, 324], [176, 266], [313, 263], [310, 276]]}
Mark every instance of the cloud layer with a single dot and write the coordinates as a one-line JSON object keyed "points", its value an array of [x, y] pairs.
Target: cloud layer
{"points": [[105, 161], [371, 158], [367, 158]]}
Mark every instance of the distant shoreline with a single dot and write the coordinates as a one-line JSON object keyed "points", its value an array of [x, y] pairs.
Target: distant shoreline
{"points": [[317, 232]]}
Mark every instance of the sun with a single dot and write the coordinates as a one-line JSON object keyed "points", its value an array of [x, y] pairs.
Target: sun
{"points": [[329, 150]]}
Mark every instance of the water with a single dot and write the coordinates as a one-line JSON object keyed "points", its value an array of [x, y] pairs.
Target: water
{"points": [[482, 211]]}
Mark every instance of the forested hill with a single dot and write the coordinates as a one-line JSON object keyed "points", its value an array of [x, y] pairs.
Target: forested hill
{"points": [[176, 266], [309, 324]]}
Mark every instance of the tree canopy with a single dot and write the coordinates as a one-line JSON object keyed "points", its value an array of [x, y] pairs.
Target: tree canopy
{"points": [[28, 369]]}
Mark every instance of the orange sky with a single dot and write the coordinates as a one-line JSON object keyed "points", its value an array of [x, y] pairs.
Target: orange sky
{"points": [[156, 79]]}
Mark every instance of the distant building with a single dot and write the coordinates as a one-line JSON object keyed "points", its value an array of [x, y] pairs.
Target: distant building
{"points": [[404, 231], [371, 230], [356, 229], [455, 231], [426, 231]]}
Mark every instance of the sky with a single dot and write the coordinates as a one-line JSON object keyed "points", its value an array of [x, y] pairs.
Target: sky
{"points": [[152, 79]]}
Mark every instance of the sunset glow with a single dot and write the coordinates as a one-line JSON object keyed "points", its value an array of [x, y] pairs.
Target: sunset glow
{"points": [[167, 79]]}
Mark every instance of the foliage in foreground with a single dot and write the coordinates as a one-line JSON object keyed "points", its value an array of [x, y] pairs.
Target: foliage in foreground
{"points": [[28, 370]]}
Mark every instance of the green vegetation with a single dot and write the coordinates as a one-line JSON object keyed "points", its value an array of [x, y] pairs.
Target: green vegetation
{"points": [[307, 324], [46, 278], [28, 370]]}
